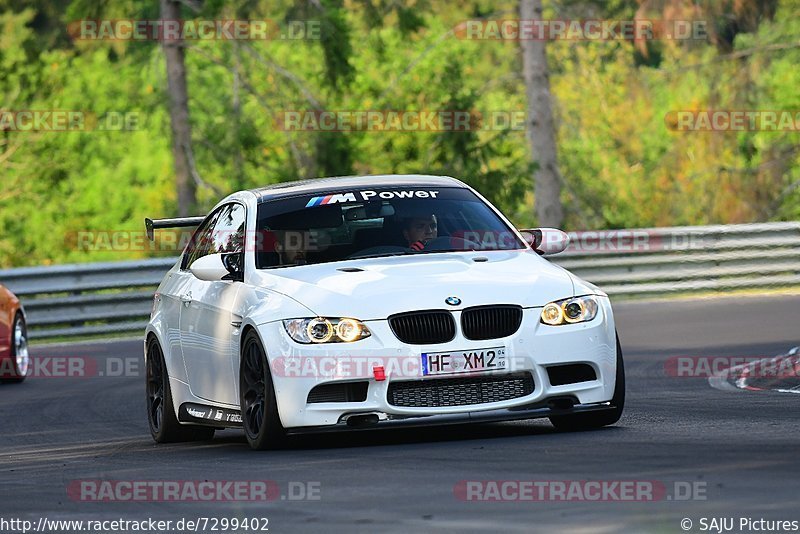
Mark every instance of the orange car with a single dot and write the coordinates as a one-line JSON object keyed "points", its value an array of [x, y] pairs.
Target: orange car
{"points": [[14, 356]]}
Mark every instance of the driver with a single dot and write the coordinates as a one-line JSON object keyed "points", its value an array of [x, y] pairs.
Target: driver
{"points": [[418, 231]]}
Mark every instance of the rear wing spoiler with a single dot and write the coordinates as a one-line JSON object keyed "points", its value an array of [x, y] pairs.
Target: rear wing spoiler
{"points": [[182, 222]]}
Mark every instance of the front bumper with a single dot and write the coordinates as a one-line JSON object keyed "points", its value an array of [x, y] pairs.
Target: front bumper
{"points": [[297, 369]]}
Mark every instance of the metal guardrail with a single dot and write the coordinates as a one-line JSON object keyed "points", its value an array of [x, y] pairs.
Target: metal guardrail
{"points": [[107, 298], [87, 299], [660, 261]]}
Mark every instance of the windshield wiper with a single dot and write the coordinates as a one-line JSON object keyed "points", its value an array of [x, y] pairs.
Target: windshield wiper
{"points": [[383, 255]]}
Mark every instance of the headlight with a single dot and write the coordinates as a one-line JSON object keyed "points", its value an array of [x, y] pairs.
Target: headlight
{"points": [[325, 330], [569, 311]]}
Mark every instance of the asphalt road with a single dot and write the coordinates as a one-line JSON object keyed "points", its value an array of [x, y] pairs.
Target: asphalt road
{"points": [[736, 449]]}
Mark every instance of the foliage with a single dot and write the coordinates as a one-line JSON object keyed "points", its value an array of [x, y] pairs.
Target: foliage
{"points": [[623, 166]]}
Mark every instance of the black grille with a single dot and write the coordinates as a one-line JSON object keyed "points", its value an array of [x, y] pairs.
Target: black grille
{"points": [[572, 373], [423, 327], [437, 392], [490, 322], [347, 392]]}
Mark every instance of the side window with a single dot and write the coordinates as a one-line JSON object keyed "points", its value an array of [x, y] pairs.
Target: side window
{"points": [[228, 234], [201, 241]]}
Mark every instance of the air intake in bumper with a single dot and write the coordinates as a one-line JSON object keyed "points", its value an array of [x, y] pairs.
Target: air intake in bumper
{"points": [[346, 392], [461, 391], [561, 375]]}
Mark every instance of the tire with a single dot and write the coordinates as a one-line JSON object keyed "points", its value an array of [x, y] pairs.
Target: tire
{"points": [[598, 419], [19, 356], [260, 420], [164, 425]]}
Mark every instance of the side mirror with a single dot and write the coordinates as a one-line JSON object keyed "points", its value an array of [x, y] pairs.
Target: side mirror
{"points": [[546, 241], [216, 267]]}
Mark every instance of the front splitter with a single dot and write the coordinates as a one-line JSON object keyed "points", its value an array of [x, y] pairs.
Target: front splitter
{"points": [[387, 421]]}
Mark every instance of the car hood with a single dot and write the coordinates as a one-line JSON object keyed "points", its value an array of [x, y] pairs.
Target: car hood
{"points": [[375, 288]]}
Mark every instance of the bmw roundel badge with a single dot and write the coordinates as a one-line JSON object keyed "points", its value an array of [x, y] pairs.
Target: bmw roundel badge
{"points": [[453, 301]]}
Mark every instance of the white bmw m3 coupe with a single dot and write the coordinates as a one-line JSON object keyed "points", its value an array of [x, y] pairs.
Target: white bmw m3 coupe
{"points": [[372, 302]]}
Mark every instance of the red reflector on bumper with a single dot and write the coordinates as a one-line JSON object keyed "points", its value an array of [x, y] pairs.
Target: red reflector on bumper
{"points": [[379, 373]]}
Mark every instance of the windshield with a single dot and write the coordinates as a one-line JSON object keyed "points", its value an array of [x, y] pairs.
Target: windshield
{"points": [[340, 225]]}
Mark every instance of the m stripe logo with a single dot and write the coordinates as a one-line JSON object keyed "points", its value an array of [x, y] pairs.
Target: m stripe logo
{"points": [[331, 199]]}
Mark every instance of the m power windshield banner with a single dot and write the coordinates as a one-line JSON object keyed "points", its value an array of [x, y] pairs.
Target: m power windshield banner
{"points": [[366, 195]]}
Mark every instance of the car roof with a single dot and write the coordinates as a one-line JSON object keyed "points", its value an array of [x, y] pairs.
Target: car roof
{"points": [[320, 185]]}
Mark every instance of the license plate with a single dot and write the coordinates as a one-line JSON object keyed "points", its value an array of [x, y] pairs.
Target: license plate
{"points": [[463, 361]]}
